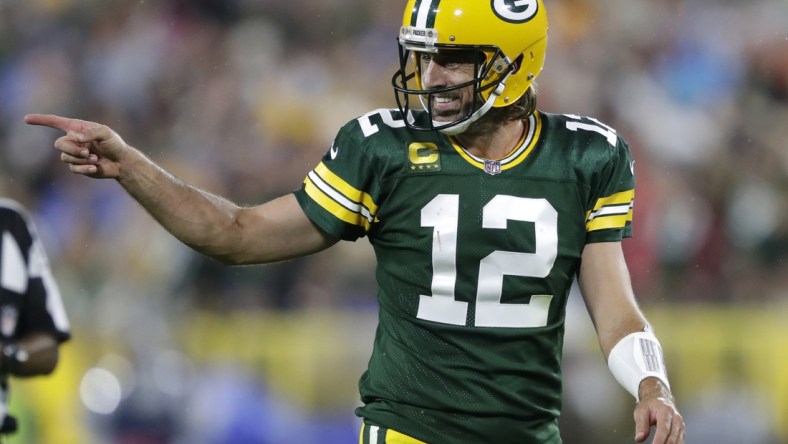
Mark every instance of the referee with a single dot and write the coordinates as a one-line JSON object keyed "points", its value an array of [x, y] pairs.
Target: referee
{"points": [[33, 322]]}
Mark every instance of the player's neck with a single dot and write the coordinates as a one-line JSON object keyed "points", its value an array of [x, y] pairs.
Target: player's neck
{"points": [[493, 143]]}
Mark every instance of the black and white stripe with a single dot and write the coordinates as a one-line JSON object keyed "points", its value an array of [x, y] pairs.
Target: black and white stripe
{"points": [[424, 13], [22, 259]]}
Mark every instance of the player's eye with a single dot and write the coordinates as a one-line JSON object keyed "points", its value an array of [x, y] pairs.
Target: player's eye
{"points": [[453, 58]]}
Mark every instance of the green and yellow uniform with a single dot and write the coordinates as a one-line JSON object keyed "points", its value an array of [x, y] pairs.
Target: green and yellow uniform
{"points": [[475, 260]]}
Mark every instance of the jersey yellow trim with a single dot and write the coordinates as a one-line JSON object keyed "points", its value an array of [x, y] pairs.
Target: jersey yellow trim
{"points": [[624, 197], [613, 211], [537, 122], [530, 137], [345, 188], [379, 435], [333, 207], [607, 222], [395, 437]]}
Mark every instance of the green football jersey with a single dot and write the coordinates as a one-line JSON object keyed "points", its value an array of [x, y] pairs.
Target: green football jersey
{"points": [[475, 260]]}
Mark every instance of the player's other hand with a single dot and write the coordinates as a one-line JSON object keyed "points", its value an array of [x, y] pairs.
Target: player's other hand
{"points": [[657, 409], [88, 148]]}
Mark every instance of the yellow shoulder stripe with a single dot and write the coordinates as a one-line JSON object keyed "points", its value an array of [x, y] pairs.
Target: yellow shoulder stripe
{"points": [[604, 223], [340, 198], [331, 205], [346, 189], [611, 212], [624, 197]]}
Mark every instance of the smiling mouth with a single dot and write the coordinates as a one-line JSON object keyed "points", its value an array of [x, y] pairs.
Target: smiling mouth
{"points": [[443, 106]]}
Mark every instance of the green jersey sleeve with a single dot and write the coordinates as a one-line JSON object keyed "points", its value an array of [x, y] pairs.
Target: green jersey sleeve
{"points": [[338, 193], [612, 188]]}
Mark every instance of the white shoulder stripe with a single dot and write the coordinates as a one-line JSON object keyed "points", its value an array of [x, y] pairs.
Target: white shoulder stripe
{"points": [[610, 210], [13, 271], [340, 198]]}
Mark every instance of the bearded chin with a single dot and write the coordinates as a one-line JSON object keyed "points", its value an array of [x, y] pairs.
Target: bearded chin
{"points": [[453, 114]]}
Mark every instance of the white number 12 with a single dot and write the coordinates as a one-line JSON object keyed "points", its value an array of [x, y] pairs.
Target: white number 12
{"points": [[442, 213]]}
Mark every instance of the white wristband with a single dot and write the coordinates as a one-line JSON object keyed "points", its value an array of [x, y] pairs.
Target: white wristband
{"points": [[636, 357]]}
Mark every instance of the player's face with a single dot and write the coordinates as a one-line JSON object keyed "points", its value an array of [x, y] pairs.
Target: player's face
{"points": [[444, 70]]}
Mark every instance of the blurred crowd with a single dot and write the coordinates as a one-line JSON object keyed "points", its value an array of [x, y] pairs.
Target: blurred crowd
{"points": [[243, 97]]}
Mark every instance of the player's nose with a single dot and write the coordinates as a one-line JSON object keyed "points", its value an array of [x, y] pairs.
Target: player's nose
{"points": [[433, 75]]}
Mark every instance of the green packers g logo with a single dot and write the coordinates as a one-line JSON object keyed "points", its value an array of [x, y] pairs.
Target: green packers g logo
{"points": [[424, 157], [515, 11]]}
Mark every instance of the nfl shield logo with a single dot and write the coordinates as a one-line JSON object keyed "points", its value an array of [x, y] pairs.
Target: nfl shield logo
{"points": [[492, 167]]}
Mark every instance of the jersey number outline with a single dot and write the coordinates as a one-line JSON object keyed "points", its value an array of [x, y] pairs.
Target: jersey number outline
{"points": [[442, 214]]}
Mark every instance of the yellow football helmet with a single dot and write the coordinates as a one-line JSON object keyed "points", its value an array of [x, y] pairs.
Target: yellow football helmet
{"points": [[511, 34]]}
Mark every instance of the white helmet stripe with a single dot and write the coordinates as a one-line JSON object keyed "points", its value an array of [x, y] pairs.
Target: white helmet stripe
{"points": [[425, 16]]}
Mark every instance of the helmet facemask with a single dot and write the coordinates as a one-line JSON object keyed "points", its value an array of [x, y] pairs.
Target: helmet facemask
{"points": [[491, 69]]}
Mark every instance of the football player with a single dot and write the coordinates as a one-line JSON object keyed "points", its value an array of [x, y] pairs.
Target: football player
{"points": [[481, 210]]}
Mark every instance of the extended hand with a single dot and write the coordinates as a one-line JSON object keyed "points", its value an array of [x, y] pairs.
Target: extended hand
{"points": [[656, 408], [88, 148]]}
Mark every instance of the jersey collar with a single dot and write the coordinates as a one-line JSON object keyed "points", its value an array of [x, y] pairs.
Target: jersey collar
{"points": [[516, 156]]}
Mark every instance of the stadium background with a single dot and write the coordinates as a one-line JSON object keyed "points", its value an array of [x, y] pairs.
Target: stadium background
{"points": [[242, 97]]}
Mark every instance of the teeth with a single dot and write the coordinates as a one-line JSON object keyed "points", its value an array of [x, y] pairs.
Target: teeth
{"points": [[442, 100]]}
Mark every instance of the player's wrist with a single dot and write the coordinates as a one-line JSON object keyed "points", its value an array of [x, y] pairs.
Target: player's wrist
{"points": [[637, 358], [651, 387], [128, 160]]}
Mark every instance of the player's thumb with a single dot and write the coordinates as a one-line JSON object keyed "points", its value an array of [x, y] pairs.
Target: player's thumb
{"points": [[642, 423]]}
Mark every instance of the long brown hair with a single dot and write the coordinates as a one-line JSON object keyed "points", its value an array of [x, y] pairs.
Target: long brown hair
{"points": [[522, 108]]}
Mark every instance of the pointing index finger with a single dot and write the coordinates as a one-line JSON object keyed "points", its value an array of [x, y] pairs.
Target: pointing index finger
{"points": [[62, 123]]}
